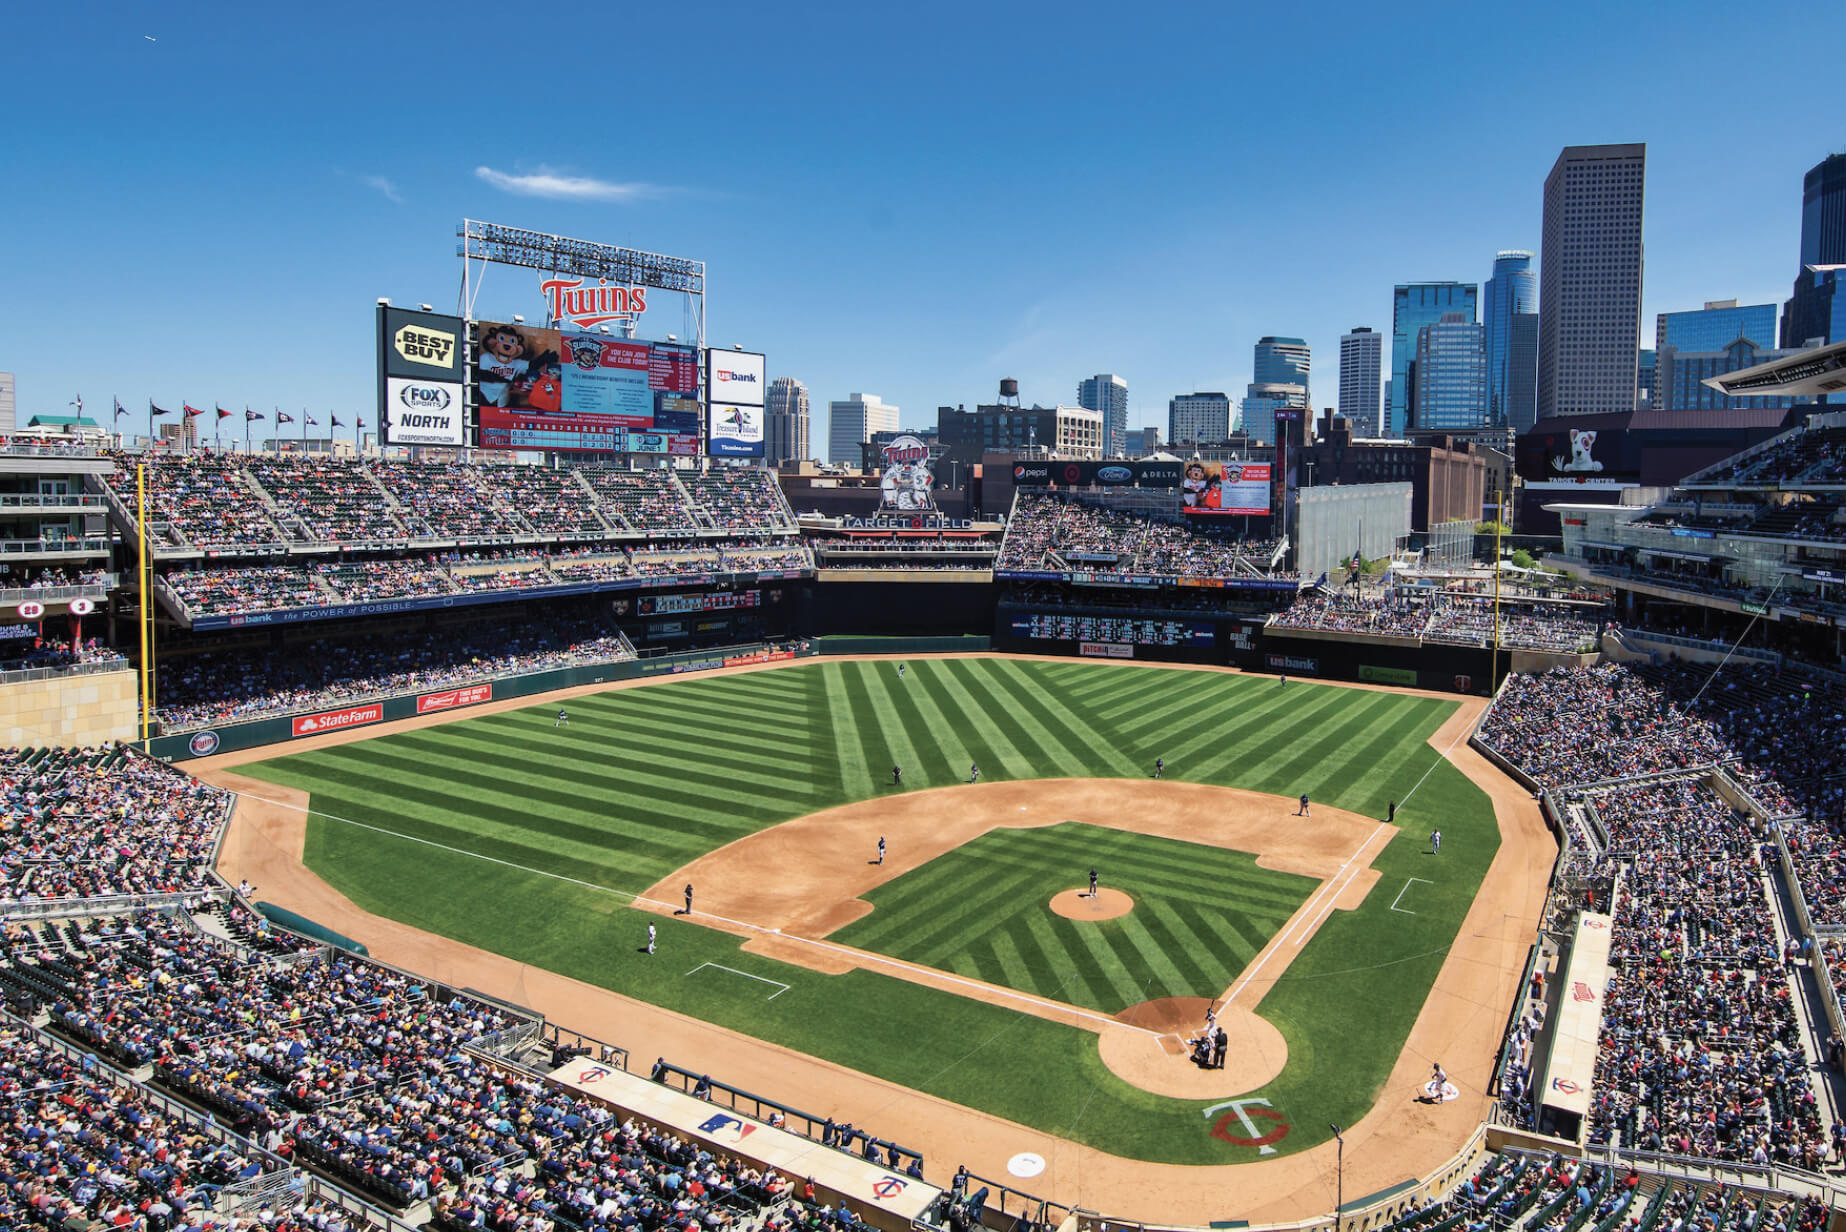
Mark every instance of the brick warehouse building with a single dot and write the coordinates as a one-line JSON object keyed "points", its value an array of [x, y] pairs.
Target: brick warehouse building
{"points": [[1450, 479]]}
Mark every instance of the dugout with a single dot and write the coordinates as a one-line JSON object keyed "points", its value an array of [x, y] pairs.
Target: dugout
{"points": [[1563, 1098]]}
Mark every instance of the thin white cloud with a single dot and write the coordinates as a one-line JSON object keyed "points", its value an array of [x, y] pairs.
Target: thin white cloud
{"points": [[544, 182], [384, 186]]}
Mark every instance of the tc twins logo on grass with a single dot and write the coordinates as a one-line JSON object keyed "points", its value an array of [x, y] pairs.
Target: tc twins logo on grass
{"points": [[1242, 1110]]}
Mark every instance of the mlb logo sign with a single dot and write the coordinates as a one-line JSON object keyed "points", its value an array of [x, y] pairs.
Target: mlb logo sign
{"points": [[732, 1129]]}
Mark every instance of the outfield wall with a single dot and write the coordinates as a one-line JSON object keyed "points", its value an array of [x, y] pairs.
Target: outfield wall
{"points": [[254, 733], [1245, 640]]}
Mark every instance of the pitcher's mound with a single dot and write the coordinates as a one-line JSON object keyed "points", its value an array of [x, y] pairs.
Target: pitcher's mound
{"points": [[1078, 905], [1155, 1058]]}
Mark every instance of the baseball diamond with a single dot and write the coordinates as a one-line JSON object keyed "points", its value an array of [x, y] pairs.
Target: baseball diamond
{"points": [[944, 970]]}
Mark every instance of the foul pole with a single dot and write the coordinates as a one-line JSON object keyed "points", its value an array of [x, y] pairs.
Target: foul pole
{"points": [[144, 578]]}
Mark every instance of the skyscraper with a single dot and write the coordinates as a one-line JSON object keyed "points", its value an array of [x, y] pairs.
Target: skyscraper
{"points": [[1261, 401], [1510, 315], [851, 423], [1823, 212], [1282, 361], [1589, 304], [1198, 419], [1108, 393], [785, 421], [1451, 374], [1816, 313], [1361, 356], [1715, 326], [1414, 305]]}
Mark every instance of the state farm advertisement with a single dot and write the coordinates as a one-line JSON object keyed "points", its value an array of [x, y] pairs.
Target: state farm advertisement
{"points": [[338, 720], [449, 699]]}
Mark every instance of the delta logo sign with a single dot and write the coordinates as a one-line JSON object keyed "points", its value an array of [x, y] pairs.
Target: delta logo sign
{"points": [[338, 720], [570, 299]]}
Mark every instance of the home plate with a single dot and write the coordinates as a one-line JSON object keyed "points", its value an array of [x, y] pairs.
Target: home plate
{"points": [[1026, 1164]]}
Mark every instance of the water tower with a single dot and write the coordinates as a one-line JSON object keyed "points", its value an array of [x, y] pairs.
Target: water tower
{"points": [[1009, 391]]}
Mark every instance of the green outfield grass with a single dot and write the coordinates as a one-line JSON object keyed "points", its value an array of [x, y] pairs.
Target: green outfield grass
{"points": [[1201, 915], [574, 820]]}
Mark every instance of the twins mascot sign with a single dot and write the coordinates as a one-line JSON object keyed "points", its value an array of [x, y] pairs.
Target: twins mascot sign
{"points": [[907, 479]]}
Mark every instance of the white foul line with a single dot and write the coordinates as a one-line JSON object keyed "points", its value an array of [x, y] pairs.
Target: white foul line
{"points": [[1400, 895], [1331, 884], [780, 986]]}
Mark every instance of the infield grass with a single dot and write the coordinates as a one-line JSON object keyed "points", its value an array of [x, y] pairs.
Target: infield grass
{"points": [[574, 820], [1201, 915]]}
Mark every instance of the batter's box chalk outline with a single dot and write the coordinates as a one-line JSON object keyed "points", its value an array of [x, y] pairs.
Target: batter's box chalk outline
{"points": [[780, 986], [1400, 895]]}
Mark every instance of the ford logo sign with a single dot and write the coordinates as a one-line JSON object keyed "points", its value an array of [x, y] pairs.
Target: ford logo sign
{"points": [[1115, 474]]}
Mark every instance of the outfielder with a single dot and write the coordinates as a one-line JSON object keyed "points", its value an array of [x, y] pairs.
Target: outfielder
{"points": [[563, 718], [650, 938]]}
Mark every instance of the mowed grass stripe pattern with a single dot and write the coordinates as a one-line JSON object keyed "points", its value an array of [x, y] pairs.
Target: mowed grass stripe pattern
{"points": [[642, 781], [1201, 914]]}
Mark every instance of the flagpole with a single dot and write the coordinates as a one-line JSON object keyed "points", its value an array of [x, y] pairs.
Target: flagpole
{"points": [[150, 423]]}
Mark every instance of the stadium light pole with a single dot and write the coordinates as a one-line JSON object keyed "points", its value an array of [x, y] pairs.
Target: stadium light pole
{"points": [[1339, 1176]]}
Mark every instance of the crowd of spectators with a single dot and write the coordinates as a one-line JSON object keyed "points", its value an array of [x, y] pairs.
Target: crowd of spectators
{"points": [[1700, 1048], [34, 577], [80, 1149], [247, 588], [1049, 532], [334, 499], [218, 500], [216, 687], [1700, 1052], [82, 823], [336, 1063], [1814, 456], [650, 500], [740, 498], [1389, 615], [224, 589], [204, 498], [1562, 629], [30, 653]]}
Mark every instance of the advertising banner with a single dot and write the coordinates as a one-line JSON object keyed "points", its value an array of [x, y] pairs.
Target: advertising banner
{"points": [[1209, 488], [422, 413], [736, 377], [1293, 663], [337, 720], [1387, 675], [422, 346], [666, 605], [736, 431], [538, 388], [606, 376], [1105, 650], [449, 699]]}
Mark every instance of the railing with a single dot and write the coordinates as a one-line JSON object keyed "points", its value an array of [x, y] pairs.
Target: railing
{"points": [[803, 1124], [56, 594], [86, 544], [24, 674], [13, 449], [562, 1038], [1709, 645], [51, 500], [107, 904]]}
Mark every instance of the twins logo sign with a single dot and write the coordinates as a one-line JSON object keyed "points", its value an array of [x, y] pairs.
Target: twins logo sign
{"points": [[1243, 1110]]}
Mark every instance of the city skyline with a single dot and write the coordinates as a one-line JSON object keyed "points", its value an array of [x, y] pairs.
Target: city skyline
{"points": [[169, 223]]}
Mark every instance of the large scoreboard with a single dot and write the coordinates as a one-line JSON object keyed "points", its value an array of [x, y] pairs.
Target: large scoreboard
{"points": [[1127, 630]]}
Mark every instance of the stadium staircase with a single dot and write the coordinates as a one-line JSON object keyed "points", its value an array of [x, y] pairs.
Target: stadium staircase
{"points": [[606, 517], [298, 534]]}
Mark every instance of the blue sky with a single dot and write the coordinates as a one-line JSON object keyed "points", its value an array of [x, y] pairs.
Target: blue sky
{"points": [[204, 201]]}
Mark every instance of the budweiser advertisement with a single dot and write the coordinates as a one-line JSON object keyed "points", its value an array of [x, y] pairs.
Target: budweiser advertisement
{"points": [[449, 699], [338, 720]]}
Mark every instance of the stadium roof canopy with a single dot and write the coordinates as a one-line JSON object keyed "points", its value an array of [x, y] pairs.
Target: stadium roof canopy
{"points": [[1808, 374]]}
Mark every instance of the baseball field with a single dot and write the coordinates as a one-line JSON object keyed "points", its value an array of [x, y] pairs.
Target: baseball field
{"points": [[946, 969]]}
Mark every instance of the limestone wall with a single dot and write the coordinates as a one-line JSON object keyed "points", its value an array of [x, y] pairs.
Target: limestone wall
{"points": [[68, 710]]}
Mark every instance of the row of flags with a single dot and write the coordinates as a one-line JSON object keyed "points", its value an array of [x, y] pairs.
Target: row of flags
{"points": [[193, 412]]}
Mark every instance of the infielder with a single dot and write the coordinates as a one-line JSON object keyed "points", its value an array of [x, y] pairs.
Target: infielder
{"points": [[1303, 810], [881, 849], [650, 938], [1435, 842], [1160, 766], [974, 772]]}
